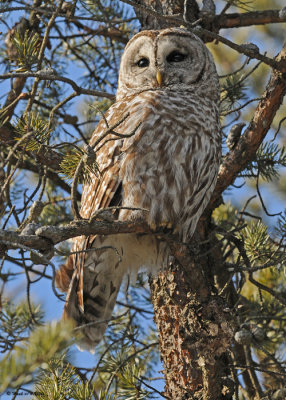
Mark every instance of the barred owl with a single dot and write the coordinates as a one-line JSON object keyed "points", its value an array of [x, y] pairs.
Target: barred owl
{"points": [[159, 164]]}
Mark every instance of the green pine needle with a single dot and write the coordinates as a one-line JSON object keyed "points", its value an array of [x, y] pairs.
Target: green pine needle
{"points": [[43, 344], [27, 47], [269, 157], [82, 391], [103, 395], [128, 384], [70, 163], [257, 242], [16, 321], [40, 128], [233, 90], [58, 380]]}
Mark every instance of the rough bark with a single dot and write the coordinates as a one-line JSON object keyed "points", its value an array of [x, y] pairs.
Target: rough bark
{"points": [[166, 7], [189, 9], [194, 326], [237, 20]]}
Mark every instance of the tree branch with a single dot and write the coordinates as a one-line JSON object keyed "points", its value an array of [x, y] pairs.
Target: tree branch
{"points": [[51, 76], [53, 176], [237, 159], [45, 156], [237, 20], [45, 236], [277, 63]]}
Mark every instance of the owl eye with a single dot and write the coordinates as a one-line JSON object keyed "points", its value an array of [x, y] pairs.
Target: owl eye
{"points": [[143, 62], [176, 56]]}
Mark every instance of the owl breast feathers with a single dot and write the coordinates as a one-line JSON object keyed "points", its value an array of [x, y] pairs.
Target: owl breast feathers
{"points": [[162, 170]]}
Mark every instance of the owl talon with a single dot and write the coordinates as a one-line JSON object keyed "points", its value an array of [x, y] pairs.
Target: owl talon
{"points": [[163, 226], [153, 227], [176, 230]]}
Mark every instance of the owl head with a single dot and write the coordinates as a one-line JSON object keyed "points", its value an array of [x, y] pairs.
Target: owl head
{"points": [[172, 58]]}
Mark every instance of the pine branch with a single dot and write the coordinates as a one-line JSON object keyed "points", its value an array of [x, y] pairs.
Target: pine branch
{"points": [[17, 368], [237, 20], [237, 159], [46, 236], [49, 75], [278, 63], [45, 156]]}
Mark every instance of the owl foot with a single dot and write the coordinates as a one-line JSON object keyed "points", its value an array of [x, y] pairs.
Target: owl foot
{"points": [[163, 227]]}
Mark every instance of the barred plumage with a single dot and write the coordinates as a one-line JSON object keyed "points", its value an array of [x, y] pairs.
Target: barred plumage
{"points": [[167, 168]]}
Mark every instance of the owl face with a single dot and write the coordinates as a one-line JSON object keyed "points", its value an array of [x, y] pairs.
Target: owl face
{"points": [[171, 57]]}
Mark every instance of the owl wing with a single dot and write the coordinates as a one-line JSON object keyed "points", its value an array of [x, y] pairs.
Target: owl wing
{"points": [[98, 192]]}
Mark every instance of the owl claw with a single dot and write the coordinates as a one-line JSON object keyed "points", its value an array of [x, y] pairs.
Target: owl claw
{"points": [[175, 230], [163, 226]]}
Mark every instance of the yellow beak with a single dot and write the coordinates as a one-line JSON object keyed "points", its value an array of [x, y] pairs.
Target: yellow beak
{"points": [[159, 77]]}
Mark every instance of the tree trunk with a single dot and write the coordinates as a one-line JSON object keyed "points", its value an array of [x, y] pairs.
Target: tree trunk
{"points": [[194, 326], [189, 9]]}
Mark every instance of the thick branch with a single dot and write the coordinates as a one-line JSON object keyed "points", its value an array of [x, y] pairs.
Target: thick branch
{"points": [[13, 96], [47, 235], [31, 241], [88, 228], [112, 33], [243, 153], [237, 20]]}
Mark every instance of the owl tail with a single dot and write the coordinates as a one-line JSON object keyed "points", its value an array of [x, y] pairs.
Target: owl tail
{"points": [[94, 286]]}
